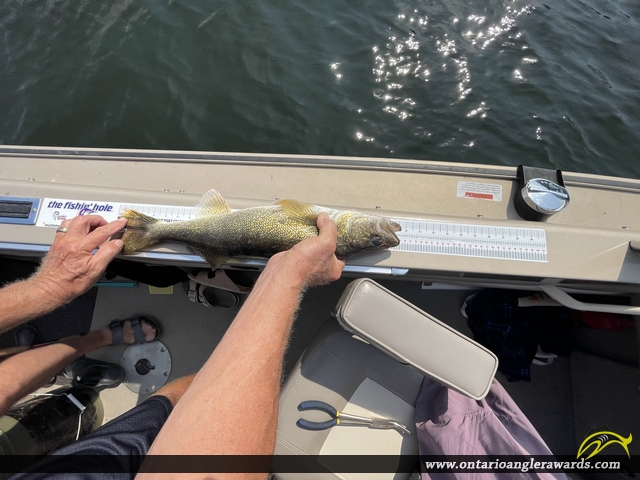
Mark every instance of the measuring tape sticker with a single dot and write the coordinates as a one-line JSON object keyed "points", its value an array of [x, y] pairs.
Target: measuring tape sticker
{"points": [[482, 241], [55, 210], [423, 236], [161, 212]]}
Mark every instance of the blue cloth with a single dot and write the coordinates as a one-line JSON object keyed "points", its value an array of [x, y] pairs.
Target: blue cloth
{"points": [[514, 333], [116, 450]]}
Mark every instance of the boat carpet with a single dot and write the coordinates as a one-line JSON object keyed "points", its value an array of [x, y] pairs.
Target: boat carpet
{"points": [[71, 319]]}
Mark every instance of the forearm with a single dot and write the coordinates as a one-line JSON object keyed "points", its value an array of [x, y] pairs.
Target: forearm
{"points": [[25, 300], [231, 408], [237, 389], [24, 372]]}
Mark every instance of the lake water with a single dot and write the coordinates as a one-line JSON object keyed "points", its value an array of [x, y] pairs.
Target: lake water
{"points": [[480, 81]]}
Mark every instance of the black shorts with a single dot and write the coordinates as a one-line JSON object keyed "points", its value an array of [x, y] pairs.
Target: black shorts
{"points": [[114, 451]]}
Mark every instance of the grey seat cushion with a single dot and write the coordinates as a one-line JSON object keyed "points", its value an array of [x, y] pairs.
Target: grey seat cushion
{"points": [[331, 370]]}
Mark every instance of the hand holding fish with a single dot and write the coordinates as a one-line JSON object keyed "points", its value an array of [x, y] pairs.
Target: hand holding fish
{"points": [[70, 268], [313, 261]]}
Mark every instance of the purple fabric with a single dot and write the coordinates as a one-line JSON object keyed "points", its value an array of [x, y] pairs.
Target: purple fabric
{"points": [[448, 423]]}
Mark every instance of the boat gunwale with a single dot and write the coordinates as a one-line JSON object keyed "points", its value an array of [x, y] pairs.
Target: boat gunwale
{"points": [[307, 161]]}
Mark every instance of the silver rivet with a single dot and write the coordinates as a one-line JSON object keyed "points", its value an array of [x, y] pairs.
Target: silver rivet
{"points": [[123, 357], [166, 374], [180, 191], [163, 349], [31, 179], [378, 207], [625, 228], [479, 215], [165, 190]]}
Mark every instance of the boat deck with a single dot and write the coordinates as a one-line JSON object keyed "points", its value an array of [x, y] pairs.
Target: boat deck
{"points": [[565, 401], [192, 331]]}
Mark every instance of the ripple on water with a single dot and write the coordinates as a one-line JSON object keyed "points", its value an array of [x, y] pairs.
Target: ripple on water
{"points": [[491, 81], [445, 64]]}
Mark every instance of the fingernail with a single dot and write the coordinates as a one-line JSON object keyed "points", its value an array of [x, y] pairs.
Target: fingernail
{"points": [[118, 243]]}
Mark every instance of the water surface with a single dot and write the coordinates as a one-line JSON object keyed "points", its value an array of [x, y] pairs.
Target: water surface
{"points": [[480, 81]]}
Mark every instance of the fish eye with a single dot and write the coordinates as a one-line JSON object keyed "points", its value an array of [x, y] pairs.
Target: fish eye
{"points": [[376, 241]]}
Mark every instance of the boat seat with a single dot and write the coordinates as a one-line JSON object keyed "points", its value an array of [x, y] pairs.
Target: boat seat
{"points": [[356, 377]]}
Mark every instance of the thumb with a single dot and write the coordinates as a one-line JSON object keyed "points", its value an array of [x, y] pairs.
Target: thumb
{"points": [[325, 223]]}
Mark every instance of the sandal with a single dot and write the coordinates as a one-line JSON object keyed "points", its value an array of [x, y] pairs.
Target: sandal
{"points": [[210, 296], [231, 281], [116, 329], [89, 373]]}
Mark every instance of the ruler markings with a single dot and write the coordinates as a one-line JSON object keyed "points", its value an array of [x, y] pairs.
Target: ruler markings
{"points": [[423, 236], [161, 212], [524, 244]]}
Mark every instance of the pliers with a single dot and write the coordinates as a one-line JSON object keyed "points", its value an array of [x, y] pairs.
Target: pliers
{"points": [[341, 418]]}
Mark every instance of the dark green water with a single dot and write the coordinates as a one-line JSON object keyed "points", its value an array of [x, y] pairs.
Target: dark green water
{"points": [[481, 81]]}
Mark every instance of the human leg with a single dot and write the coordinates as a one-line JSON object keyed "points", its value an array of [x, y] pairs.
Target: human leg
{"points": [[117, 448], [24, 372], [174, 390]]}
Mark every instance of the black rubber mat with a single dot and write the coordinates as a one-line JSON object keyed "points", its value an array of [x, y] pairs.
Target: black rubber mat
{"points": [[72, 319]]}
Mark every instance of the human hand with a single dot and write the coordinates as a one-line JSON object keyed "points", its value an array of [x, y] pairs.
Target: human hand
{"points": [[312, 261], [70, 268]]}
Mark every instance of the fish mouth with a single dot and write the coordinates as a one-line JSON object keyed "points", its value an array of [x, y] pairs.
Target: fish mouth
{"points": [[390, 228], [394, 226]]}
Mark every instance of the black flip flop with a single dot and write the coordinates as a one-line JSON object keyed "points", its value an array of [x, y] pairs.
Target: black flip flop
{"points": [[89, 373]]}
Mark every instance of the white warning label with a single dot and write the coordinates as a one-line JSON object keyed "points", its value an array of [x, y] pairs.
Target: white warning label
{"points": [[483, 191]]}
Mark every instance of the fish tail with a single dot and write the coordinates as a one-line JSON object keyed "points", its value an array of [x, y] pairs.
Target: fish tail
{"points": [[140, 232]]}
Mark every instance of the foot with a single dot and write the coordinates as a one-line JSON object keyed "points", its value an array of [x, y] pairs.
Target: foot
{"points": [[128, 336]]}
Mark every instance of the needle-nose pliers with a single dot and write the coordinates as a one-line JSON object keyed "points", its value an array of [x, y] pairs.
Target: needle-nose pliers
{"points": [[341, 418]]}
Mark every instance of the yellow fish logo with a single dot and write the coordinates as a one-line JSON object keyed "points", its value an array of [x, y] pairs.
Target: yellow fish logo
{"points": [[601, 440]]}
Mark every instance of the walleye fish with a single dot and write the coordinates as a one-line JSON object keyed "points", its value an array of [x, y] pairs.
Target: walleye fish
{"points": [[217, 233]]}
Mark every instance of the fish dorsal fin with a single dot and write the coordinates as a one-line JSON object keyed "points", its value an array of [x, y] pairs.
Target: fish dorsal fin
{"points": [[305, 213], [211, 203]]}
